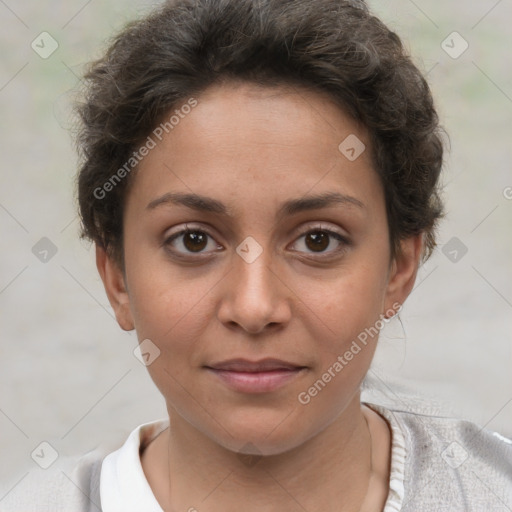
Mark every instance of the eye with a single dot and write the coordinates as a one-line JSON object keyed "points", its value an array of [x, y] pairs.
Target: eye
{"points": [[190, 241], [195, 241], [318, 240]]}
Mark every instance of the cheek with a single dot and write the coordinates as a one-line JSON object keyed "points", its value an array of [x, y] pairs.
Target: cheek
{"points": [[344, 307], [168, 306], [345, 328], [174, 316]]}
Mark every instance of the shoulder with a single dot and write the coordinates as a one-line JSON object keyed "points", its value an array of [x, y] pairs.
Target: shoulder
{"points": [[447, 463], [71, 484], [465, 464]]}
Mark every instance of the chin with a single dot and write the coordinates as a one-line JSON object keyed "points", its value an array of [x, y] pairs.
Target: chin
{"points": [[262, 433]]}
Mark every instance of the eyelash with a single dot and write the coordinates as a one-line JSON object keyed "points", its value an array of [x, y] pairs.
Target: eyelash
{"points": [[344, 242]]}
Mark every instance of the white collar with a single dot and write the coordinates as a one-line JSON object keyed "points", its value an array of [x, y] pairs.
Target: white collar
{"points": [[123, 484]]}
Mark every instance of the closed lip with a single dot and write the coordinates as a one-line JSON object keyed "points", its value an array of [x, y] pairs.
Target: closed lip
{"points": [[263, 365]]}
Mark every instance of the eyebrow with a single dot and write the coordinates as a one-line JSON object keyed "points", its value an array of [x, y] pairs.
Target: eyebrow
{"points": [[288, 208]]}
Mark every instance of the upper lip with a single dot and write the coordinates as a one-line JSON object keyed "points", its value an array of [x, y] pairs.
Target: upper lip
{"points": [[263, 365]]}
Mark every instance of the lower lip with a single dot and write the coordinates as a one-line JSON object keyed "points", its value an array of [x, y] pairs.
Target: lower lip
{"points": [[257, 382]]}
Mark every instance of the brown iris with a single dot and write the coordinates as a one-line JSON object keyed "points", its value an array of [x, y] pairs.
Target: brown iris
{"points": [[319, 239], [195, 241]]}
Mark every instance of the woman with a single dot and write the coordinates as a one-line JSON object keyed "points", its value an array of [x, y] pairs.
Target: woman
{"points": [[260, 179]]}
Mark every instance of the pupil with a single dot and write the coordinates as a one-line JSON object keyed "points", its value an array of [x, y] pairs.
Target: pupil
{"points": [[196, 238], [319, 240]]}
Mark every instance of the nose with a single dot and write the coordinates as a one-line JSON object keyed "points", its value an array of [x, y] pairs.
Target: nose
{"points": [[254, 297]]}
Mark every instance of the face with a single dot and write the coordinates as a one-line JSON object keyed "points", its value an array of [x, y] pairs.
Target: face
{"points": [[256, 255]]}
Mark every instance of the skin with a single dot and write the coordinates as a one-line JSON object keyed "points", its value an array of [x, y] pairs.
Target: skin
{"points": [[253, 148]]}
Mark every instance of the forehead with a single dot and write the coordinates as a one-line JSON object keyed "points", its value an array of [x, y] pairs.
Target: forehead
{"points": [[282, 115], [246, 143]]}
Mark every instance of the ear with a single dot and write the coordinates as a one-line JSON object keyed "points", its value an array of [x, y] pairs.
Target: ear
{"points": [[115, 286], [403, 271]]}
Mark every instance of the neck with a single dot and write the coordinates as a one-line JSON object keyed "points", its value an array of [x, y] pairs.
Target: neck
{"points": [[330, 471]]}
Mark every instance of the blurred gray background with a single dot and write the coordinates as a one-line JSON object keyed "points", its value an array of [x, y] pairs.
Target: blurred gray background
{"points": [[68, 374]]}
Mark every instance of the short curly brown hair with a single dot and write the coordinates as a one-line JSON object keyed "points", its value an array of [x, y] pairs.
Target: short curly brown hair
{"points": [[332, 46]]}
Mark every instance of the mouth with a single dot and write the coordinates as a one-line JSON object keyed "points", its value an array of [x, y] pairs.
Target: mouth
{"points": [[262, 376]]}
